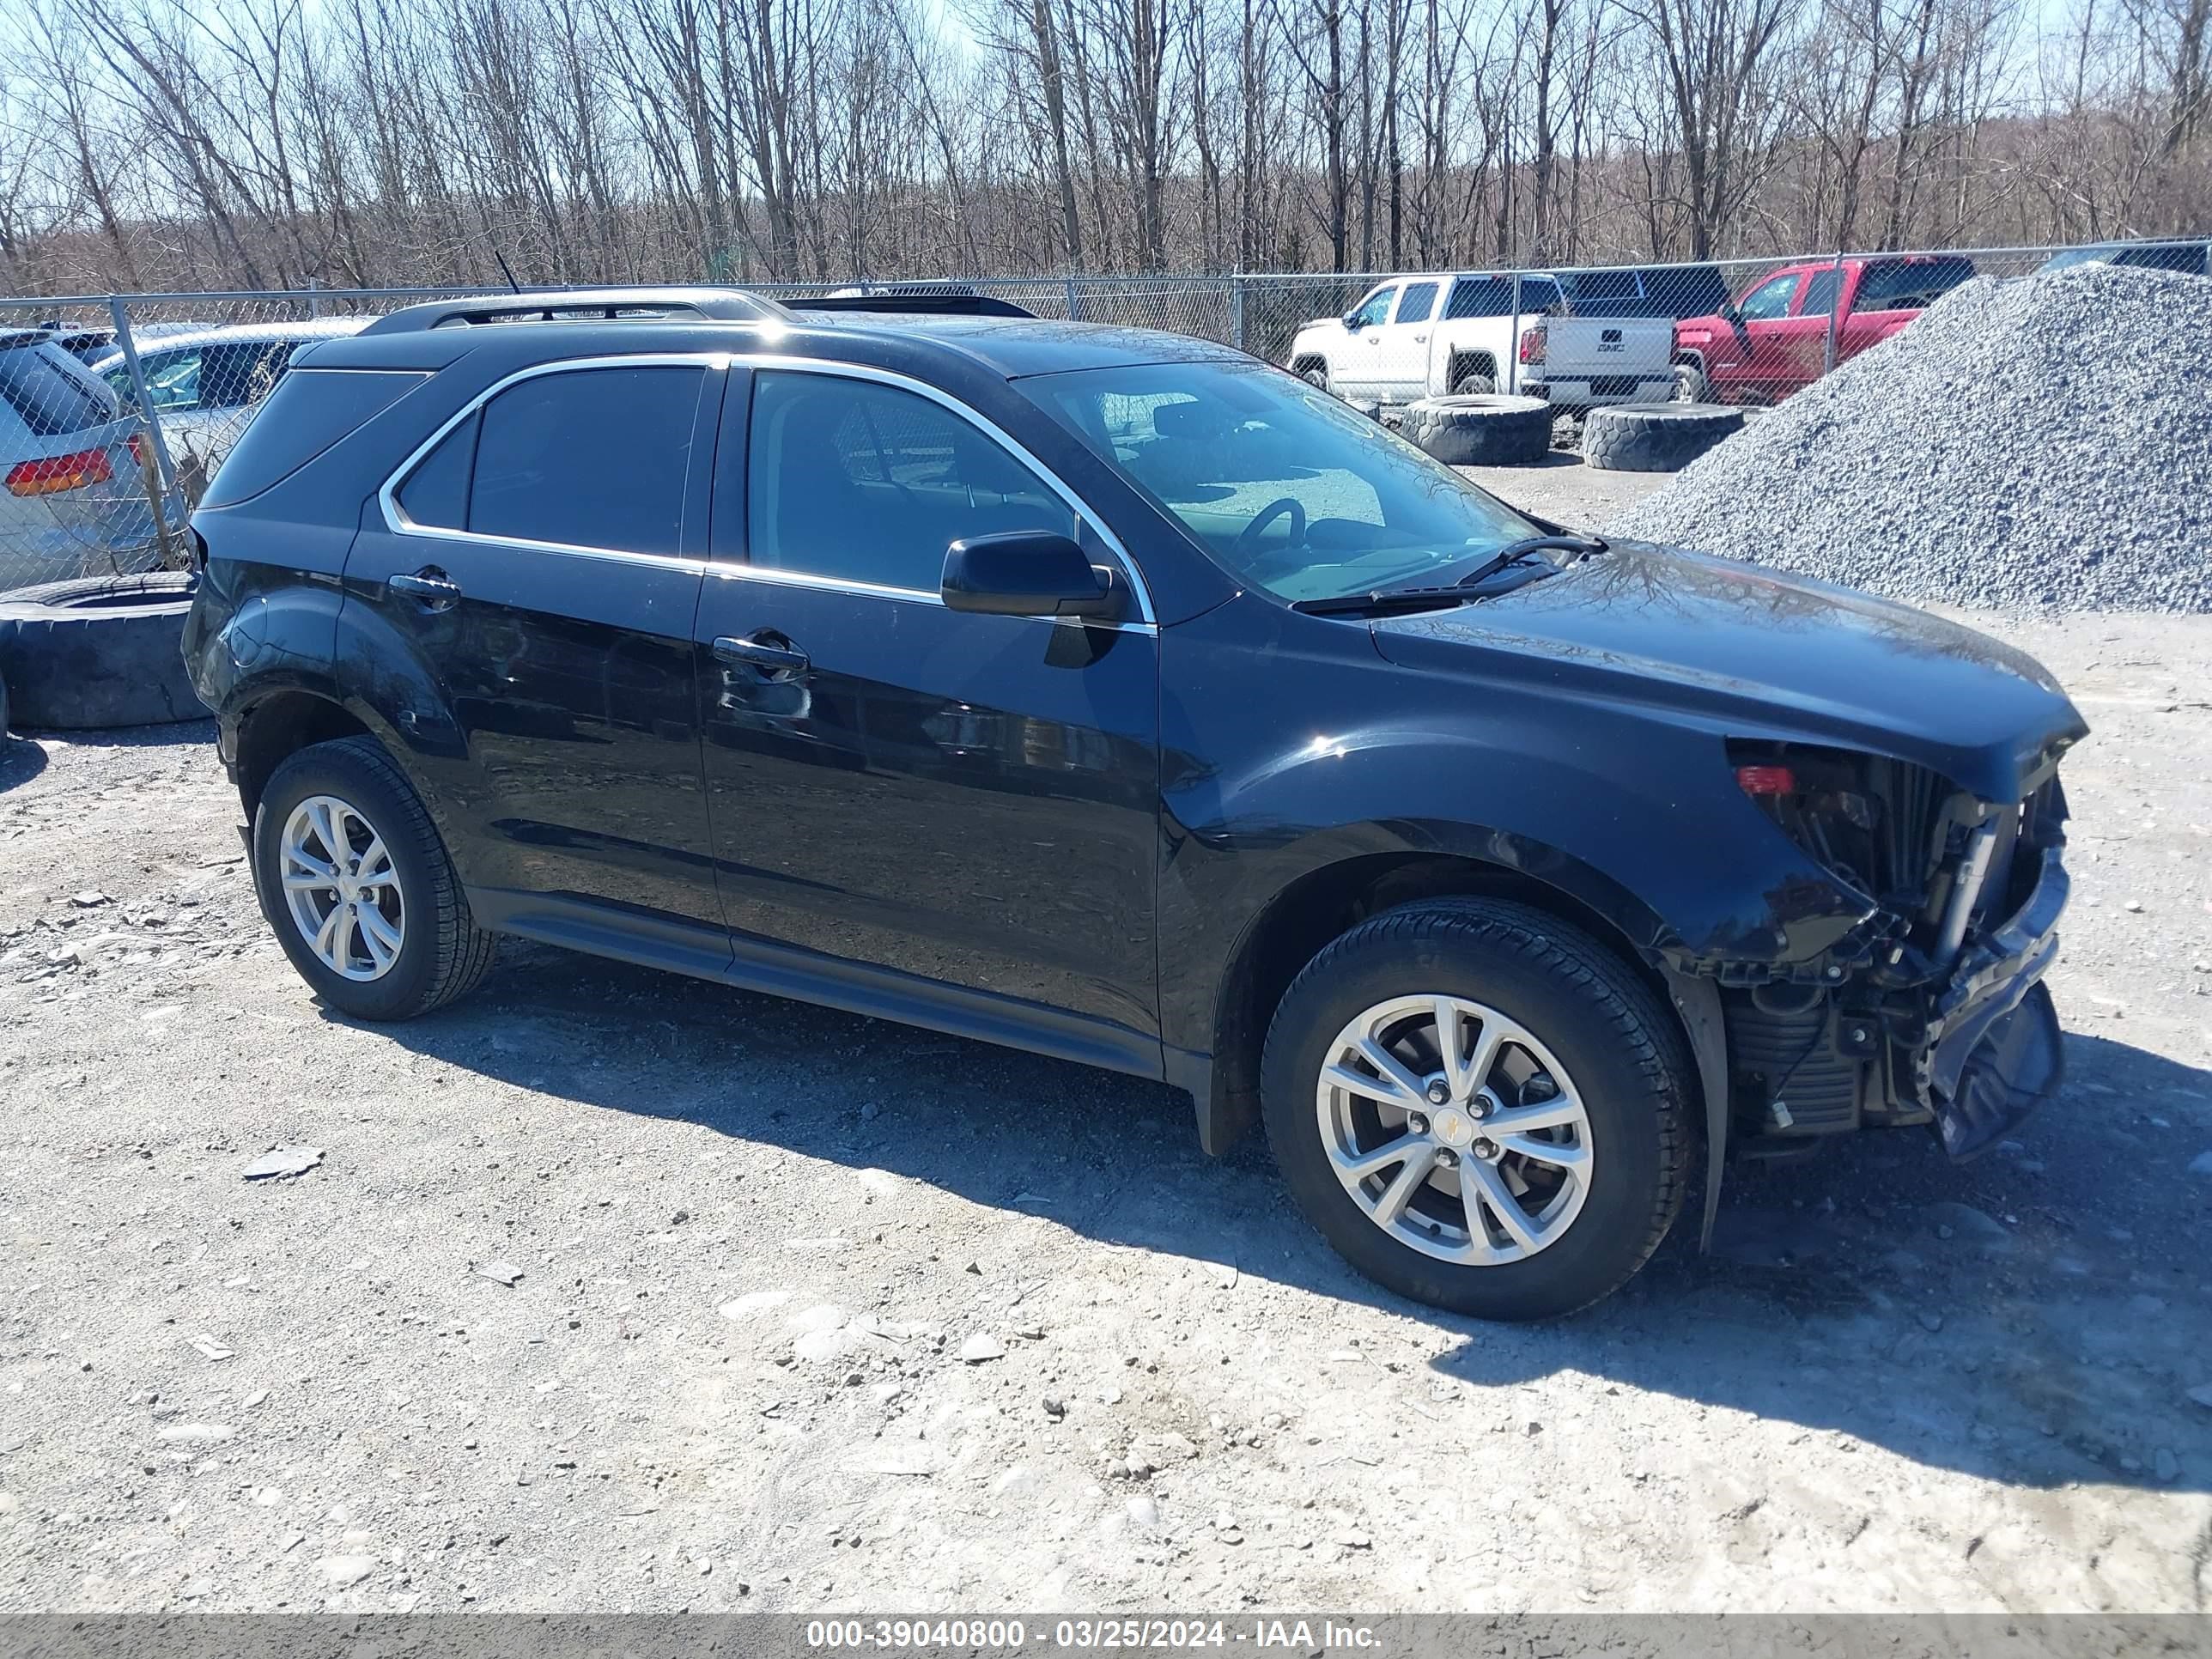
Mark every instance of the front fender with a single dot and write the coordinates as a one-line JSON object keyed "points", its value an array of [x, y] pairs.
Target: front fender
{"points": [[1635, 818]]}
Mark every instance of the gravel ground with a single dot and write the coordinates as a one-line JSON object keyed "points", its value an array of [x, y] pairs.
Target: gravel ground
{"points": [[2046, 441], [1562, 489], [807, 1312]]}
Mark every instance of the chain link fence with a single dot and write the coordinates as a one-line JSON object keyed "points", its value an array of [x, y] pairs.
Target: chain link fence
{"points": [[116, 410]]}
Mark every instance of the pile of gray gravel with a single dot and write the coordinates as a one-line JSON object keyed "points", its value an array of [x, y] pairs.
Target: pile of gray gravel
{"points": [[2041, 442]]}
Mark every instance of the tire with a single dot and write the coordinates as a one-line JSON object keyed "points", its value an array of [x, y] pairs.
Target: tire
{"points": [[1654, 437], [442, 954], [1690, 386], [1482, 430], [1472, 384], [1627, 1072], [99, 651], [1317, 376]]}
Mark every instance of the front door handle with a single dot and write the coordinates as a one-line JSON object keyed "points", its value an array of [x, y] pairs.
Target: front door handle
{"points": [[766, 649], [429, 585]]}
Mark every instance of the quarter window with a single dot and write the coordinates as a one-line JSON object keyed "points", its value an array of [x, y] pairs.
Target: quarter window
{"points": [[436, 493], [586, 458], [866, 482]]}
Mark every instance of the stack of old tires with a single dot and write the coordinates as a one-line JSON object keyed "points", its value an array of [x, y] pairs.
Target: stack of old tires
{"points": [[97, 651]]}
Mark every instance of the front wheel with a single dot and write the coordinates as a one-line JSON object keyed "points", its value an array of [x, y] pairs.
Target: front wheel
{"points": [[1481, 1108], [353, 877], [1316, 375]]}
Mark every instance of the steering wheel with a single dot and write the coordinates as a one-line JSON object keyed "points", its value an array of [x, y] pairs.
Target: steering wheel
{"points": [[1248, 539]]}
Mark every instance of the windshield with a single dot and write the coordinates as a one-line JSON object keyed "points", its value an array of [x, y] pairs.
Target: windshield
{"points": [[1288, 489]]}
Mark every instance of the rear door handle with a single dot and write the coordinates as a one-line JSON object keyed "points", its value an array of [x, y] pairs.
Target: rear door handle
{"points": [[429, 585], [766, 649]]}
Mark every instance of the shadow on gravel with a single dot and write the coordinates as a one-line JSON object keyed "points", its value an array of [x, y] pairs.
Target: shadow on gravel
{"points": [[19, 762], [2035, 1318]]}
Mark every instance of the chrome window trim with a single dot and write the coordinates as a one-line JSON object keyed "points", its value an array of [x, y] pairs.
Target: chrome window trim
{"points": [[398, 524]]}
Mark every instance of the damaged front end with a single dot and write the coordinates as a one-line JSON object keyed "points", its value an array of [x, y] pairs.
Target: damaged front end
{"points": [[1929, 1008]]}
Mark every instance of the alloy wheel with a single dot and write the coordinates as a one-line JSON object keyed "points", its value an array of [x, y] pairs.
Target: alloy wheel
{"points": [[1455, 1130], [341, 888]]}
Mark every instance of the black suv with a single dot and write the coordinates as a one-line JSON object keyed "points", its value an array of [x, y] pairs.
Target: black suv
{"points": [[1116, 696]]}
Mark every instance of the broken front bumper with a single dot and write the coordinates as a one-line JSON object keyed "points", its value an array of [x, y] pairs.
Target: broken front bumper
{"points": [[1993, 1051]]}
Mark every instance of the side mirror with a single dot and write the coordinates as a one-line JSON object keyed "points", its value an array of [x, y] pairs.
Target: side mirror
{"points": [[1729, 313], [1029, 573], [1351, 324]]}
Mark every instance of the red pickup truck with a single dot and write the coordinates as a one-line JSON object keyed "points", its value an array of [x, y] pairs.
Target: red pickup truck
{"points": [[1772, 340]]}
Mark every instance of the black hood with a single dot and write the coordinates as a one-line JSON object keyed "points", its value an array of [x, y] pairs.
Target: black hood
{"points": [[1755, 653]]}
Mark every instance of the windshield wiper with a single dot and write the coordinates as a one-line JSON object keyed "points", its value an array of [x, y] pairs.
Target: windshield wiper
{"points": [[1389, 598], [1429, 599], [1581, 547]]}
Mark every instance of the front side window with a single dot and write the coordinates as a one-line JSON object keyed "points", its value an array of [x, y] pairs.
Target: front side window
{"points": [[1769, 300], [1284, 486], [864, 482], [586, 458], [1420, 299], [172, 379], [1375, 310]]}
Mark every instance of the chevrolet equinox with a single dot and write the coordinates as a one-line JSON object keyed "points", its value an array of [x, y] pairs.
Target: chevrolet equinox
{"points": [[1118, 697]]}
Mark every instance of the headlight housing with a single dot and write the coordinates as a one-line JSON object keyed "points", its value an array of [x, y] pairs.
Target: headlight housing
{"points": [[1882, 826]]}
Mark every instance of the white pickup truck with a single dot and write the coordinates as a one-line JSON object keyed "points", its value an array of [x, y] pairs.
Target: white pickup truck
{"points": [[1424, 336]]}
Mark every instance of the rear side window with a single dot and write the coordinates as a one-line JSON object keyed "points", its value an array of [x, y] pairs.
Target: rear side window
{"points": [[1819, 293], [1909, 284], [303, 417], [1480, 297], [588, 457], [2187, 257], [47, 397]]}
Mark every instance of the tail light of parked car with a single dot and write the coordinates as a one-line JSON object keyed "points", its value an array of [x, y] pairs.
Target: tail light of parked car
{"points": [[1532, 344], [137, 449], [58, 473]]}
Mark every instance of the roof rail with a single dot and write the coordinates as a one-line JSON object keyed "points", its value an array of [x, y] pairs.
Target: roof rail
{"points": [[923, 299], [724, 305]]}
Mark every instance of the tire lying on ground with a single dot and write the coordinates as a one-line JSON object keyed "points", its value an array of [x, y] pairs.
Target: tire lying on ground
{"points": [[99, 651], [1654, 437], [1481, 429]]}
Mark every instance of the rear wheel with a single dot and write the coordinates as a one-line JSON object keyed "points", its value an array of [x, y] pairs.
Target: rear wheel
{"points": [[1481, 1108], [352, 876]]}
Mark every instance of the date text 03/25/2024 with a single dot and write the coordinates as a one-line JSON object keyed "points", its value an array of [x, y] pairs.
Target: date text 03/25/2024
{"points": [[1088, 1635]]}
